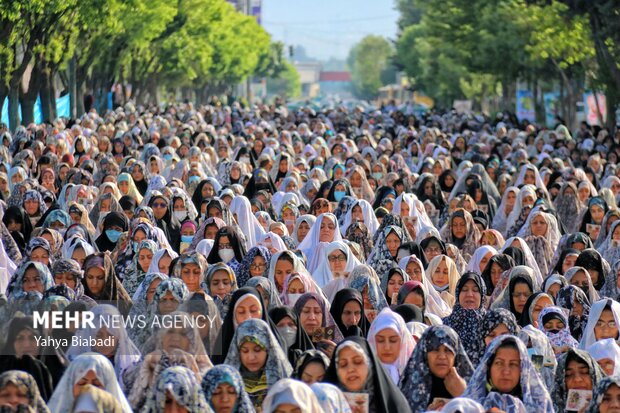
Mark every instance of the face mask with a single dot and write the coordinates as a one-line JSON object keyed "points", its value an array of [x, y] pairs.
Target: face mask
{"points": [[180, 215], [112, 234], [135, 246], [293, 298], [289, 334], [338, 195], [168, 156], [377, 175], [187, 238], [245, 159], [289, 222], [193, 179], [441, 289], [226, 254]]}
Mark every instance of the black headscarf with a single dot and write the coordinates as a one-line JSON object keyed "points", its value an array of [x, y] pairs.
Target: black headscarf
{"points": [[235, 243], [591, 259], [17, 214], [410, 312], [260, 181], [385, 397], [302, 341], [113, 219], [415, 249], [341, 298], [516, 254], [566, 252], [505, 262]]}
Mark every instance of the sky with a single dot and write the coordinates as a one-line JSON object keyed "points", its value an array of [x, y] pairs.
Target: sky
{"points": [[328, 28]]}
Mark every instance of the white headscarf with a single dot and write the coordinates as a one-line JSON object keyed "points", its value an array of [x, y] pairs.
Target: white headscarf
{"points": [[312, 247], [530, 261], [154, 267], [553, 234], [309, 219], [271, 240], [474, 263], [500, 220], [606, 349], [370, 220], [323, 274], [387, 319], [588, 338], [247, 222], [518, 207], [434, 303], [289, 391]]}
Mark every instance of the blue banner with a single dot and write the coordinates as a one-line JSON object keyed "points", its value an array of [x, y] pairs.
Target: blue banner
{"points": [[63, 108], [525, 105], [552, 108]]}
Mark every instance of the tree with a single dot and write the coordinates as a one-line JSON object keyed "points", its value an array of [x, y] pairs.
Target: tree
{"points": [[287, 84], [367, 61]]}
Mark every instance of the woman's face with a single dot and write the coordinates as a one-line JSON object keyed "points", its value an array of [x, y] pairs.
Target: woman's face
{"points": [[470, 297], [577, 376], [207, 191], [404, 209], [31, 206], [584, 193], [352, 369], [580, 280], [145, 256], [496, 273], [611, 400], [295, 286], [248, 308], [327, 230], [505, 371], [210, 232], [65, 278], [388, 344], [151, 291], [440, 361], [441, 275], [485, 260], [597, 213], [432, 250], [95, 280], [414, 271], [606, 326], [252, 356], [314, 372], [224, 398], [511, 198], [569, 262], [258, 266], [11, 396], [160, 207], [337, 261], [168, 303], [357, 214], [539, 226], [500, 330], [302, 231], [214, 212], [311, 316], [221, 284], [394, 284], [351, 313], [26, 343], [89, 378], [32, 281], [416, 298], [540, 305], [392, 242], [529, 177], [41, 255], [283, 268], [459, 228], [520, 294], [191, 274], [164, 264], [176, 339]]}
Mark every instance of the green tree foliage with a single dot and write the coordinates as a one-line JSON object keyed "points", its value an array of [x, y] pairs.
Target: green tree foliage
{"points": [[287, 84], [368, 61]]}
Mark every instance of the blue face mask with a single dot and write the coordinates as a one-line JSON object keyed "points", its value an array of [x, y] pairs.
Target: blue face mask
{"points": [[193, 179], [377, 175], [187, 238], [338, 195], [112, 234], [135, 246], [168, 156]]}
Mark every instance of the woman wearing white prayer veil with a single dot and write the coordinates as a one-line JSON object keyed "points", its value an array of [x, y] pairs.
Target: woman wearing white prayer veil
{"points": [[481, 257], [332, 257], [527, 197], [324, 231], [303, 223], [542, 235], [603, 314], [434, 303], [409, 207], [167, 254], [607, 353], [242, 211], [272, 241], [85, 369], [529, 175], [124, 353], [507, 205], [289, 392], [7, 268], [463, 405], [362, 211], [530, 261]]}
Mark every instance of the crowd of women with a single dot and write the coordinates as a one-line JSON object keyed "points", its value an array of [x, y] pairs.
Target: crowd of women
{"points": [[346, 261]]}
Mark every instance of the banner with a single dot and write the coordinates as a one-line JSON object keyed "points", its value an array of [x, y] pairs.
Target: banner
{"points": [[592, 110], [525, 105], [552, 107], [63, 108]]}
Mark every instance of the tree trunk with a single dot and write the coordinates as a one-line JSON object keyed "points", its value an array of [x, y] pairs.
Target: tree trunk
{"points": [[48, 100], [14, 106], [73, 87], [27, 104]]}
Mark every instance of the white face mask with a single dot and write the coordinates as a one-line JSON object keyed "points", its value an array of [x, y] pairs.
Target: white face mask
{"points": [[180, 215], [289, 334], [292, 298], [226, 254]]}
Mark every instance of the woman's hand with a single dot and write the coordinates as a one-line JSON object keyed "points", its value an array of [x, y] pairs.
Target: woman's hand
{"points": [[454, 383]]}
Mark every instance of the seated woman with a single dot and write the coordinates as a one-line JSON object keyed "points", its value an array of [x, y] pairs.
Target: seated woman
{"points": [[443, 275], [256, 353], [192, 269], [577, 370], [228, 247], [355, 368], [606, 396], [19, 391], [573, 299], [30, 277], [415, 293], [520, 286], [347, 309], [224, 390], [313, 312], [553, 322], [296, 284], [324, 231], [534, 305], [140, 265], [365, 280], [311, 367], [338, 262], [221, 282], [538, 345], [94, 369], [467, 315], [177, 389], [506, 369], [606, 352], [392, 342], [289, 395], [391, 284], [282, 264], [603, 322], [102, 285], [254, 264], [580, 277]]}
